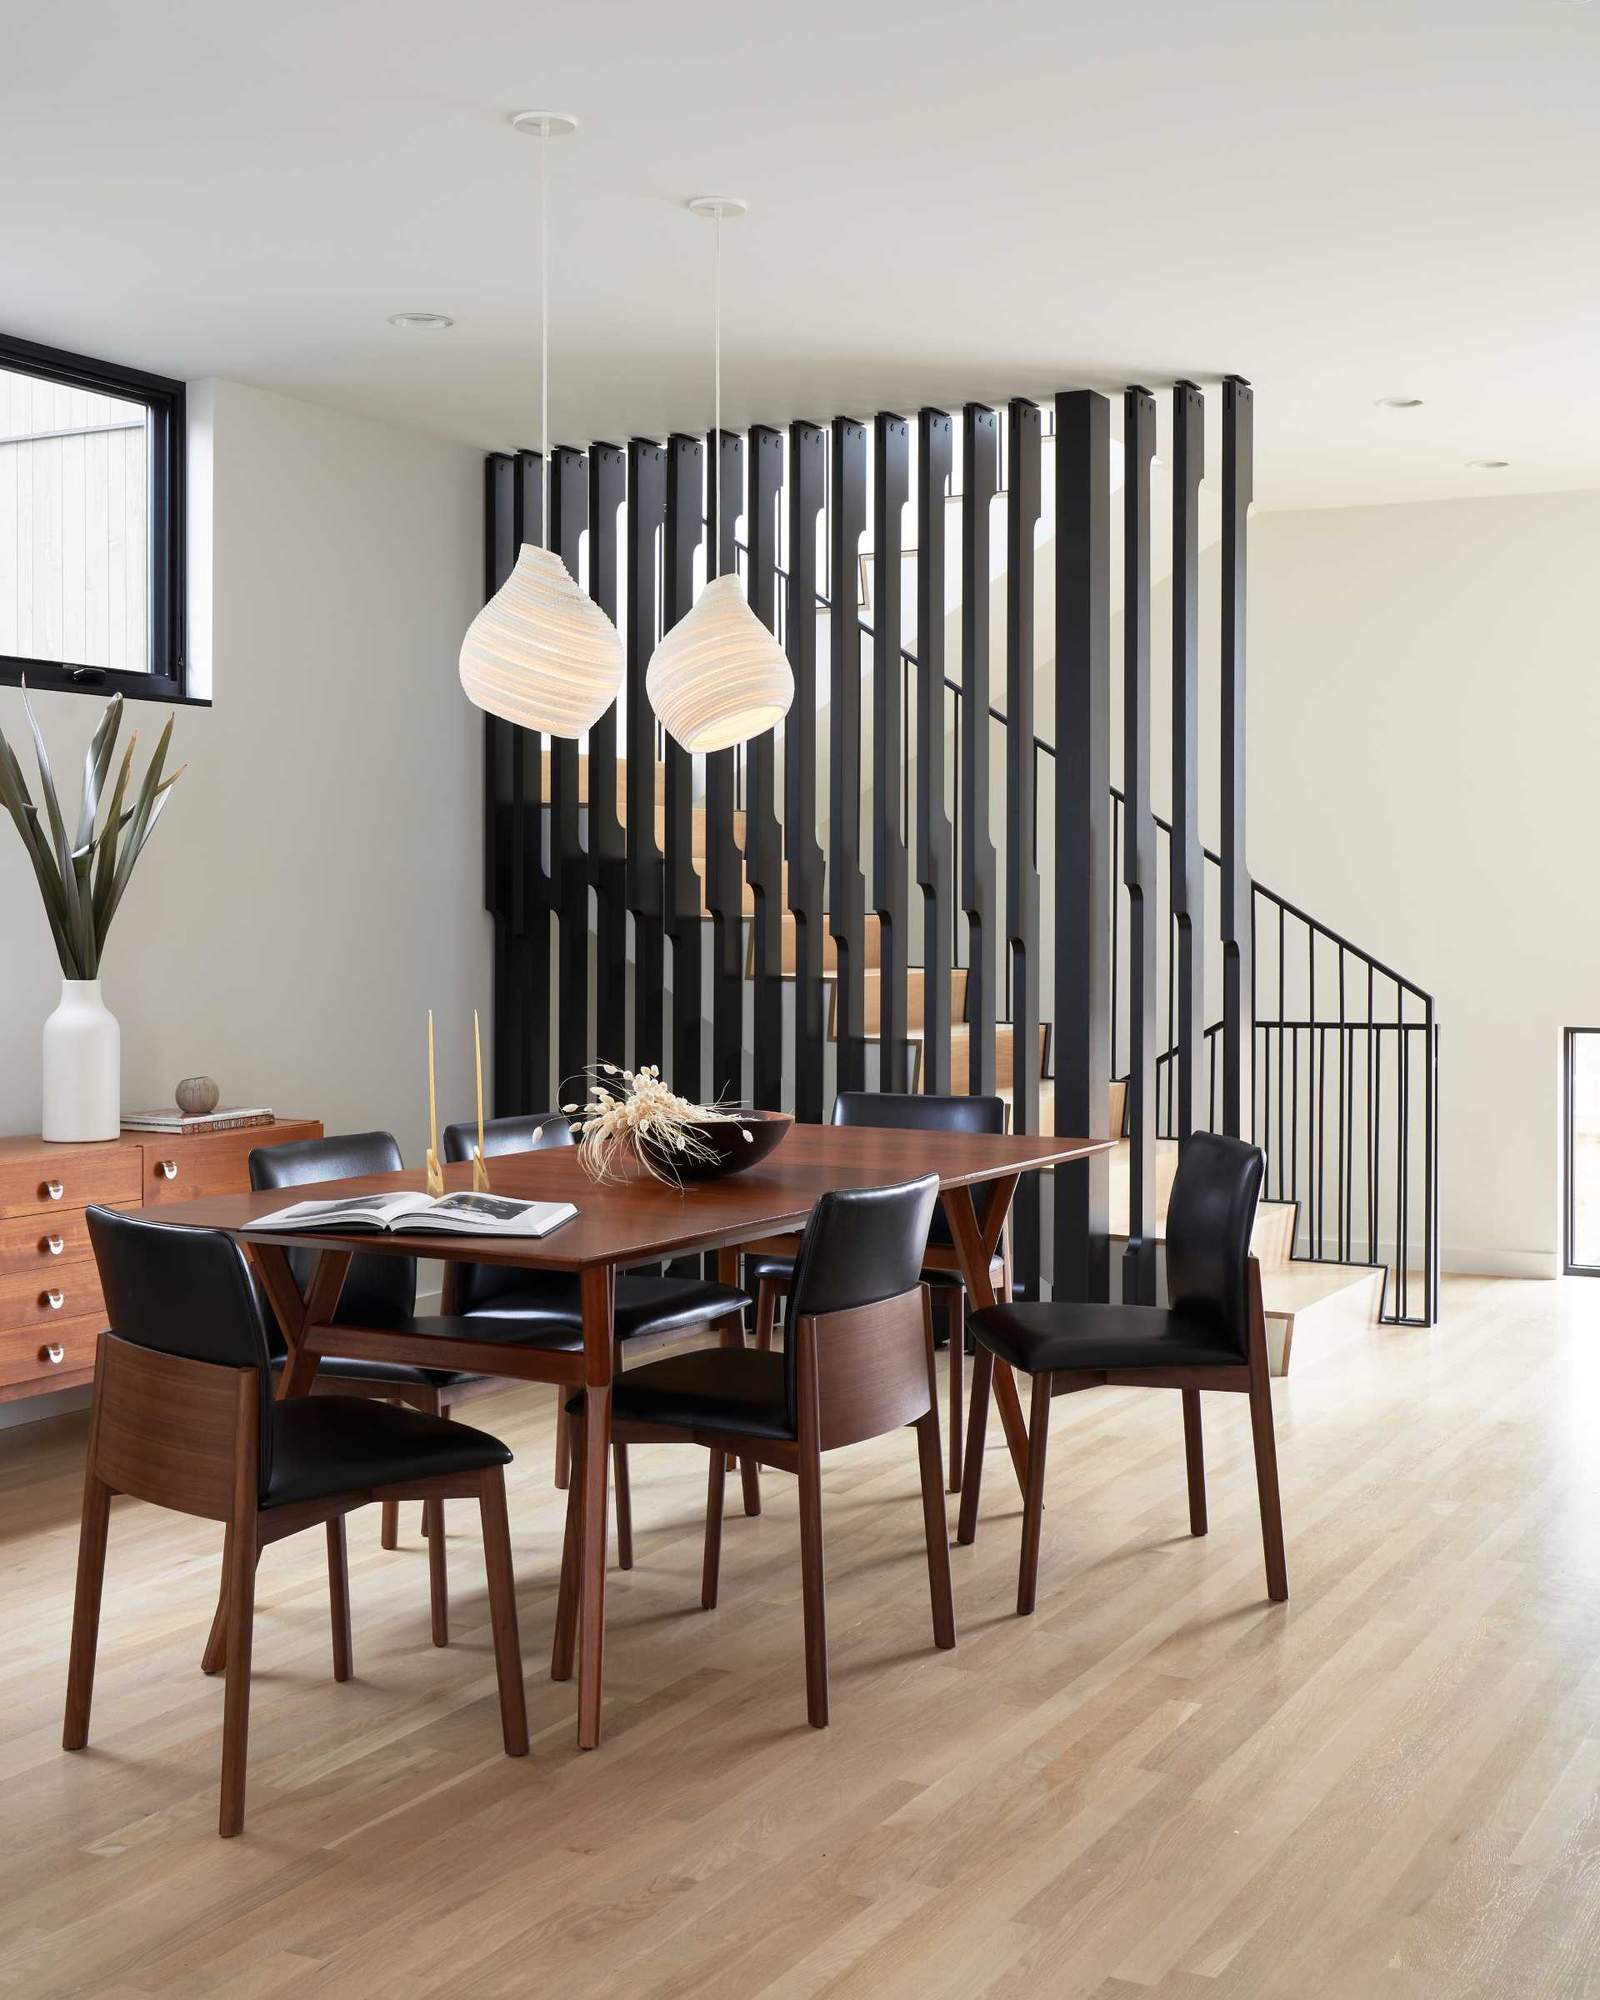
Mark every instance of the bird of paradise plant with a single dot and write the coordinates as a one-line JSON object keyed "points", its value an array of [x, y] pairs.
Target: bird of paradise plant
{"points": [[83, 877]]}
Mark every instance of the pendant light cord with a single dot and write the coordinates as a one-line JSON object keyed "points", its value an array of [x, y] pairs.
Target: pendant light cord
{"points": [[544, 332], [714, 562]]}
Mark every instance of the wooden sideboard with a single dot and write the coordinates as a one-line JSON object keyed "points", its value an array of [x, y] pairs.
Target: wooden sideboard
{"points": [[51, 1311]]}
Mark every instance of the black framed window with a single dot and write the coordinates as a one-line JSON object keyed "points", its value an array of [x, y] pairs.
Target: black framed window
{"points": [[1581, 1133], [91, 525]]}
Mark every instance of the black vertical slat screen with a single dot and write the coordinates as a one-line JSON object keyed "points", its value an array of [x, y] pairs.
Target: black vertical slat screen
{"points": [[684, 534], [724, 864], [569, 516], [608, 481], [610, 865], [1139, 847], [1023, 504], [1081, 1252], [647, 508], [1238, 977], [980, 481], [891, 489], [1188, 972], [500, 555], [807, 478], [847, 888], [763, 837], [935, 852]]}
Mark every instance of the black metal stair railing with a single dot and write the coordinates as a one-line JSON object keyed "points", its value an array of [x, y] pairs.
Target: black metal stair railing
{"points": [[1345, 1070]]}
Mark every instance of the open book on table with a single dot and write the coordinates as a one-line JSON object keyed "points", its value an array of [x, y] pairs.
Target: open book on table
{"points": [[463, 1214]]}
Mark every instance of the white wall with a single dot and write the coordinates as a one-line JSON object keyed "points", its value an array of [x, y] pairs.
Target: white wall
{"points": [[316, 882], [1424, 719]]}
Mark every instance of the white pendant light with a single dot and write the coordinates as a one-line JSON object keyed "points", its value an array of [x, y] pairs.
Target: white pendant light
{"points": [[719, 677], [541, 653]]}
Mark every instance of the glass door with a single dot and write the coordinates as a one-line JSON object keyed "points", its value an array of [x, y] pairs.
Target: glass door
{"points": [[1582, 1118]]}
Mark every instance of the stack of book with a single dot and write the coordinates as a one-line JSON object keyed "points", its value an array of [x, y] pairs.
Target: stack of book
{"points": [[223, 1119]]}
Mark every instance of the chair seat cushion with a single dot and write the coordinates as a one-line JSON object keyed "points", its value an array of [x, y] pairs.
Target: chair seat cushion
{"points": [[549, 1308], [332, 1444], [345, 1368], [712, 1388], [767, 1268], [1040, 1339]]}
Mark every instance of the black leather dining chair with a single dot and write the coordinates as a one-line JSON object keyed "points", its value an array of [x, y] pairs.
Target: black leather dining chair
{"points": [[906, 1111], [857, 1363], [649, 1309], [378, 1291], [184, 1417], [1211, 1335]]}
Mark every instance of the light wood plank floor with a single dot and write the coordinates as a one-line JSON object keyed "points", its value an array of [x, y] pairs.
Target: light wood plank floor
{"points": [[1159, 1785]]}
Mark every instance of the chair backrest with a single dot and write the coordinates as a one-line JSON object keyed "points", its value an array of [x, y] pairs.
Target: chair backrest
{"points": [[187, 1293], [532, 1134], [1210, 1214], [910, 1111], [861, 1245], [376, 1290], [479, 1285]]}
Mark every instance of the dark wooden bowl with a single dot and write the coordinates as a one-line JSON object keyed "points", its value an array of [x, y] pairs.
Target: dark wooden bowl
{"points": [[734, 1152]]}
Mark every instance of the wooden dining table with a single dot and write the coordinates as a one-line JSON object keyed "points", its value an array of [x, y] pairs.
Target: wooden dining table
{"points": [[619, 1225]]}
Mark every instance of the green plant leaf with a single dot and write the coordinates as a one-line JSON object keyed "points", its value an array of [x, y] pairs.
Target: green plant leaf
{"points": [[105, 860], [78, 918], [153, 795], [14, 794], [96, 763]]}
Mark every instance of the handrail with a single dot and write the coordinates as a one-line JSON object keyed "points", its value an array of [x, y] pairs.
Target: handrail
{"points": [[909, 658]]}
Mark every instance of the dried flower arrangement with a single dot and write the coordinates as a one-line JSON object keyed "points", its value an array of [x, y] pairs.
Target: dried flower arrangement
{"points": [[632, 1112]]}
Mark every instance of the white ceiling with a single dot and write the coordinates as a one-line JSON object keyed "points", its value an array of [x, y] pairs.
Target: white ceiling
{"points": [[1342, 199]]}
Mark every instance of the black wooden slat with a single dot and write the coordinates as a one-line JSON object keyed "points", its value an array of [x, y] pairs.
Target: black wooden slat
{"points": [[763, 836], [1023, 504], [569, 861], [847, 888], [608, 479], [935, 856], [808, 445], [724, 863], [1188, 856], [647, 507], [891, 489], [1082, 1007], [980, 480], [1139, 847], [684, 519], [531, 897], [1238, 433], [500, 554]]}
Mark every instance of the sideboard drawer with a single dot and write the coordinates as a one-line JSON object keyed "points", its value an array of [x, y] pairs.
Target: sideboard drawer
{"points": [[42, 1299], [44, 1243], [218, 1163], [62, 1177], [38, 1355]]}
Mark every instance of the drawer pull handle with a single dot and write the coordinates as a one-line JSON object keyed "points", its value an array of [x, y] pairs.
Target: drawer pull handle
{"points": [[167, 1169], [55, 1354], [54, 1189], [55, 1300], [55, 1245]]}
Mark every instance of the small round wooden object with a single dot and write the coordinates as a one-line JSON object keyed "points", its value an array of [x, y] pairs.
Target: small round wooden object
{"points": [[197, 1095]]}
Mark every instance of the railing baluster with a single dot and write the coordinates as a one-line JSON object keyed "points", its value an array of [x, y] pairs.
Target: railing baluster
{"points": [[890, 766], [763, 837], [935, 850], [807, 894], [847, 888], [1186, 975], [979, 483], [1139, 859], [684, 515], [724, 862], [1024, 503], [647, 507]]}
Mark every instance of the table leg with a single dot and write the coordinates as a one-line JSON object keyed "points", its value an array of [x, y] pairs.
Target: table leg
{"points": [[976, 1243], [296, 1313], [598, 1288]]}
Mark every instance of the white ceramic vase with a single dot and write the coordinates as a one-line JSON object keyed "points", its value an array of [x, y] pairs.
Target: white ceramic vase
{"points": [[82, 1066]]}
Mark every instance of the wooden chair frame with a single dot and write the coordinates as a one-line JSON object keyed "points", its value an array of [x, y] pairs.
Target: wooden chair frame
{"points": [[185, 1435], [937, 1257], [860, 1374], [1249, 1377]]}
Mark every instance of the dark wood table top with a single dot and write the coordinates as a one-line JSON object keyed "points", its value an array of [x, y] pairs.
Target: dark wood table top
{"points": [[637, 1220]]}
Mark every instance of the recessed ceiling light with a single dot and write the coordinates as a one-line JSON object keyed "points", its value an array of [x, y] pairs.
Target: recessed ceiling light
{"points": [[1399, 403], [1487, 464], [421, 322]]}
